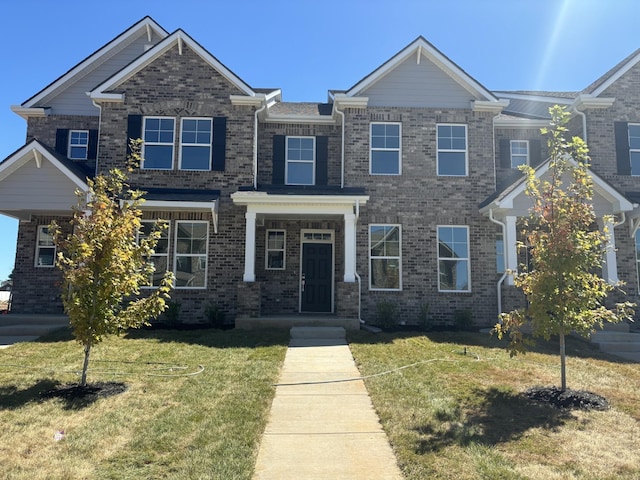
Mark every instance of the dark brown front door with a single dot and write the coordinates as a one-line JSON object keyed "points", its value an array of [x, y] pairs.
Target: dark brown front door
{"points": [[317, 260]]}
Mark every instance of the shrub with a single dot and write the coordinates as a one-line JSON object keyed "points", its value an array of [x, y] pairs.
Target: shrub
{"points": [[424, 319], [215, 315], [386, 314], [463, 320], [171, 315]]}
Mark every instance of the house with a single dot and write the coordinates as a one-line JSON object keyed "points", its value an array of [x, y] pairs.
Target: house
{"points": [[401, 189]]}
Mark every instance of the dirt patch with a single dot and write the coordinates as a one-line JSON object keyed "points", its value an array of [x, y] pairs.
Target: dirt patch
{"points": [[88, 393], [568, 399]]}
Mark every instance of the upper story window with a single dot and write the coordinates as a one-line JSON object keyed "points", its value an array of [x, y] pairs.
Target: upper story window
{"points": [[195, 143], [45, 248], [453, 259], [78, 144], [385, 260], [519, 153], [158, 135], [275, 251], [300, 161], [160, 256], [385, 151], [634, 148], [452, 150]]}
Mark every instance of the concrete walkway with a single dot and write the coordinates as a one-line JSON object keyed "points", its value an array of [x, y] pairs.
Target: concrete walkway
{"points": [[325, 430]]}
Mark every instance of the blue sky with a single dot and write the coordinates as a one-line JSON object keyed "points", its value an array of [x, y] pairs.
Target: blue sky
{"points": [[306, 47]]}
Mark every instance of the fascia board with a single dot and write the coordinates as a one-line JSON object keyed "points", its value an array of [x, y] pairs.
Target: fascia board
{"points": [[613, 78], [261, 202], [534, 98], [520, 123], [299, 119], [588, 101], [31, 112]]}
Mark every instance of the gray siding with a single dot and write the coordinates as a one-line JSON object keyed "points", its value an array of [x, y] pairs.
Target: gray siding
{"points": [[418, 85], [32, 188], [74, 100]]}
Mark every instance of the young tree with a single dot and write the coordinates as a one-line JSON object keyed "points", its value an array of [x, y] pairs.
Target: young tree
{"points": [[103, 265], [563, 288]]}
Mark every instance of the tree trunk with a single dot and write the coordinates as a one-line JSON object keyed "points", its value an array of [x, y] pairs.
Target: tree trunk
{"points": [[563, 363], [85, 366]]}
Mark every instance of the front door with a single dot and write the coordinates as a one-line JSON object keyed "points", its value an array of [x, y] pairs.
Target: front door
{"points": [[316, 277]]}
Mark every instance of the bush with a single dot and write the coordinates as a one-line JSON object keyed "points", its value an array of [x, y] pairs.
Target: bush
{"points": [[215, 315], [171, 315], [463, 320], [424, 319], [386, 314]]}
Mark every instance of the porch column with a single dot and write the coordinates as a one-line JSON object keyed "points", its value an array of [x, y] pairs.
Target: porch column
{"points": [[349, 247], [610, 263], [510, 247], [250, 248]]}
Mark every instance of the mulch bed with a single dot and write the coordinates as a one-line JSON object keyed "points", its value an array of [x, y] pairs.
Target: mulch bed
{"points": [[568, 399], [90, 392]]}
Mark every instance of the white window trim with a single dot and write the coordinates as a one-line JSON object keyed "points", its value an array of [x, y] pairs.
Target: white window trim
{"points": [[468, 258], [466, 150], [632, 150], [167, 255], [283, 250], [399, 149], [511, 154], [145, 143], [200, 255], [182, 144], [86, 146], [398, 257], [38, 247], [286, 160]]}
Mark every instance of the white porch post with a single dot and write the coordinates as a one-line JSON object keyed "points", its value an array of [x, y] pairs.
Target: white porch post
{"points": [[610, 264], [349, 247], [510, 247], [250, 248]]}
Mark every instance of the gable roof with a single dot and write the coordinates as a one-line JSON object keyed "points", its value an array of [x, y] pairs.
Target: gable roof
{"points": [[147, 24], [605, 81], [422, 47], [179, 37]]}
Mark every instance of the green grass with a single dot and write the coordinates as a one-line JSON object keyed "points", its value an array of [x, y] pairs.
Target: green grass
{"points": [[172, 422], [457, 416]]}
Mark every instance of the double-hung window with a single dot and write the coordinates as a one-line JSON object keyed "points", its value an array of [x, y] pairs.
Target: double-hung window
{"points": [[385, 152], [385, 259], [160, 256], [190, 262], [300, 161], [78, 147], [452, 150], [453, 259], [195, 143], [634, 148], [519, 153], [275, 251], [158, 135], [45, 248]]}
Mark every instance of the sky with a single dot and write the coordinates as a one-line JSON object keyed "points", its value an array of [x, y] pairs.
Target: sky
{"points": [[306, 47]]}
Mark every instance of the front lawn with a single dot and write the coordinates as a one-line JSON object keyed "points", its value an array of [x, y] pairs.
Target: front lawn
{"points": [[462, 416], [196, 406]]}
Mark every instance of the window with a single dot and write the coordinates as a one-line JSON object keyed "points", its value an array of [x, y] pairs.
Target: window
{"points": [[195, 144], [638, 258], [300, 161], [275, 250], [384, 257], [160, 256], [634, 148], [519, 153], [499, 253], [78, 144], [191, 254], [453, 259], [385, 149], [45, 248], [158, 134], [452, 150]]}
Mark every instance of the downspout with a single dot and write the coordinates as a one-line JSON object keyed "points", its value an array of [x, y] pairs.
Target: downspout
{"points": [[342, 151], [584, 123], [99, 107], [355, 270], [255, 146], [504, 275]]}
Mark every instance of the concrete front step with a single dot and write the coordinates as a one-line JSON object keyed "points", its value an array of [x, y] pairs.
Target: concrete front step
{"points": [[30, 330], [33, 319], [288, 321], [615, 347], [633, 356], [318, 333], [613, 336]]}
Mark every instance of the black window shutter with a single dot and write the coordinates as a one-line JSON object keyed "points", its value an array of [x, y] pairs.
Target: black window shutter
{"points": [[621, 130], [322, 160], [218, 151], [505, 153], [535, 154], [62, 141], [278, 159], [134, 130], [92, 149]]}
